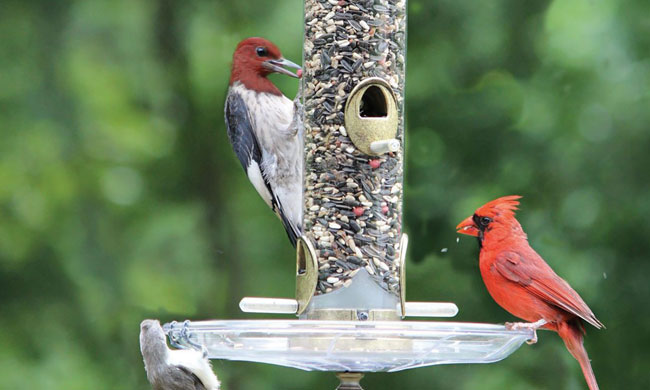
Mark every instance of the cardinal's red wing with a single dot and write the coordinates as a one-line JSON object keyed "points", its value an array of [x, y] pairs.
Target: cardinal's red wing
{"points": [[532, 273]]}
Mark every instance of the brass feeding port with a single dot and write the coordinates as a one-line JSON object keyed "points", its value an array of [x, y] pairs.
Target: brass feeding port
{"points": [[372, 118]]}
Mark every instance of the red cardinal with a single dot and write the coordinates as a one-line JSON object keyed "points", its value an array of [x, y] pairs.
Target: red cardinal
{"points": [[521, 282]]}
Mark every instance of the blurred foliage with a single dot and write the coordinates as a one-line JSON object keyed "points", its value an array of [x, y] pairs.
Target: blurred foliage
{"points": [[120, 198]]}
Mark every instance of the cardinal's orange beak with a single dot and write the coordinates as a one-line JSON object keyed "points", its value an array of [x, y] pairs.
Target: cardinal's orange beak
{"points": [[468, 227]]}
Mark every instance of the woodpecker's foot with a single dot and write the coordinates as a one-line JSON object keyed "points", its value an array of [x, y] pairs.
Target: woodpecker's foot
{"points": [[526, 325]]}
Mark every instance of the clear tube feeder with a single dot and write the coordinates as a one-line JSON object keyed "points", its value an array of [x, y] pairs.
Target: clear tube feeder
{"points": [[350, 261]]}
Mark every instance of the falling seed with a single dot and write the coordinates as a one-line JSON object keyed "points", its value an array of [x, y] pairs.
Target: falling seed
{"points": [[457, 240], [604, 275], [444, 250]]}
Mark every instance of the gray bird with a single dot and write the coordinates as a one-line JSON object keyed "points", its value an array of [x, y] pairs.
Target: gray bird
{"points": [[173, 369]]}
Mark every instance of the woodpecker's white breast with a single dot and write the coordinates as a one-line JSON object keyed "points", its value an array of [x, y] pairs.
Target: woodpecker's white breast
{"points": [[271, 116]]}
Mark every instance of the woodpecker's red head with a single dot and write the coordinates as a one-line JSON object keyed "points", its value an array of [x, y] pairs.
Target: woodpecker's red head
{"points": [[256, 58]]}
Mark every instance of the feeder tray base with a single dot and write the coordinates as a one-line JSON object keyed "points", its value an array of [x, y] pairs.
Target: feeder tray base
{"points": [[349, 346]]}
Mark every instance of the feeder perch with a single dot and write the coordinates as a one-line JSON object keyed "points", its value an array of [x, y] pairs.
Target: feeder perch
{"points": [[350, 261]]}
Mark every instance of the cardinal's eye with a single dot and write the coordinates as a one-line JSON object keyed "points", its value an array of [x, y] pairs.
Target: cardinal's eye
{"points": [[261, 51], [485, 221]]}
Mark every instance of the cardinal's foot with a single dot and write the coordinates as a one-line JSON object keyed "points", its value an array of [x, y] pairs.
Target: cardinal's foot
{"points": [[533, 340], [527, 325]]}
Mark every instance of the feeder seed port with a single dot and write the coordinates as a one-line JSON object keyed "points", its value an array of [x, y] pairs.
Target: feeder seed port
{"points": [[372, 118], [306, 273]]}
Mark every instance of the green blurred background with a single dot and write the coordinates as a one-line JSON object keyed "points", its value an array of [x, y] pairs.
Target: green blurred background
{"points": [[120, 198]]}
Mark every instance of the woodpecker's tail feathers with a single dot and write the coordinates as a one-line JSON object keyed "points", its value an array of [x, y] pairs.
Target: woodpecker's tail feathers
{"points": [[293, 228]]}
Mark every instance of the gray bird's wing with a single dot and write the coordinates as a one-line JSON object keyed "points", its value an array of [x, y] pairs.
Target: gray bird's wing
{"points": [[178, 378], [248, 151]]}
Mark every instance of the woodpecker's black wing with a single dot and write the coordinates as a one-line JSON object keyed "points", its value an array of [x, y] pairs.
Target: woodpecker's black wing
{"points": [[244, 142], [247, 148]]}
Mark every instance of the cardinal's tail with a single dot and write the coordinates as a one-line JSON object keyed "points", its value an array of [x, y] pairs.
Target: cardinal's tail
{"points": [[571, 333]]}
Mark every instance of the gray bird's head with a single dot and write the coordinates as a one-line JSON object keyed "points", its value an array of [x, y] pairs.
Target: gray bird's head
{"points": [[153, 344]]}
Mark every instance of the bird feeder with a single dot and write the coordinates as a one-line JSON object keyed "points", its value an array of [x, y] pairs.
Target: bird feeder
{"points": [[350, 275], [353, 89]]}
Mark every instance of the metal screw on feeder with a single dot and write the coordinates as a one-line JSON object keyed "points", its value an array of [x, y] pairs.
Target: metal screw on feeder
{"points": [[350, 261]]}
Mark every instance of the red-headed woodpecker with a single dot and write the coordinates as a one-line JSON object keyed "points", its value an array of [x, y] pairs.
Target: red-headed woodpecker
{"points": [[261, 128], [182, 369]]}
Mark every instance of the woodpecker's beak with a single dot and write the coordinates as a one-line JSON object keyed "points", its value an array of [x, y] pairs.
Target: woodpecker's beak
{"points": [[468, 227], [277, 66]]}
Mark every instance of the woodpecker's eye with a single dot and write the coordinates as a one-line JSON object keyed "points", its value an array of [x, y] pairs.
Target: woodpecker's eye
{"points": [[261, 51], [484, 221]]}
